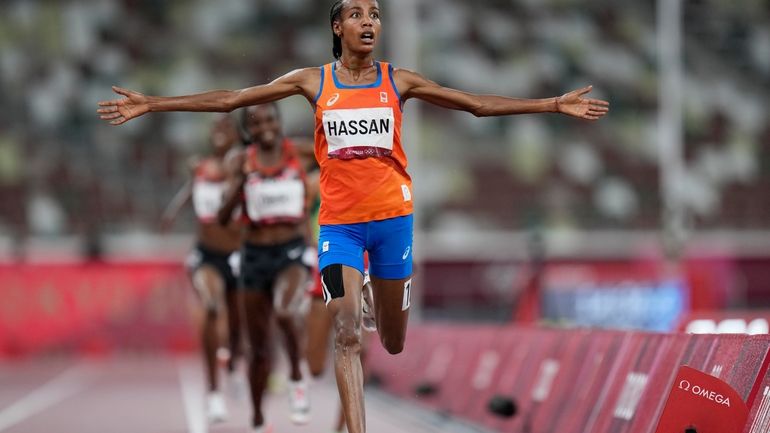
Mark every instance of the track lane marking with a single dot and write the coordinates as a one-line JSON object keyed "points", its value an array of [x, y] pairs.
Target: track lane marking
{"points": [[192, 396], [56, 390]]}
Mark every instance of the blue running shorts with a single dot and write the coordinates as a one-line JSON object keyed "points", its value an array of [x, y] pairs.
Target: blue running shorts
{"points": [[389, 243]]}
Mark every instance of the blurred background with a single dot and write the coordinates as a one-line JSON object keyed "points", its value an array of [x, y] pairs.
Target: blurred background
{"points": [[73, 188], [656, 211]]}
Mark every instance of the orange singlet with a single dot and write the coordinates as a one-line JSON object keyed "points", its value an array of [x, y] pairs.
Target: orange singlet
{"points": [[358, 146]]}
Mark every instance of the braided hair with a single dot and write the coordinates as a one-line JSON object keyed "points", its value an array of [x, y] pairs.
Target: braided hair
{"points": [[335, 13]]}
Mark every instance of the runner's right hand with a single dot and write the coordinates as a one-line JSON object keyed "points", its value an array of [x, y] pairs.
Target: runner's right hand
{"points": [[120, 111]]}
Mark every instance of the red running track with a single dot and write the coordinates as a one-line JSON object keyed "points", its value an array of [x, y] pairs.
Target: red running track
{"points": [[165, 395]]}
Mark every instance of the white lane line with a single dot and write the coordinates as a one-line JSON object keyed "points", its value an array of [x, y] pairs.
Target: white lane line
{"points": [[52, 392], [192, 397]]}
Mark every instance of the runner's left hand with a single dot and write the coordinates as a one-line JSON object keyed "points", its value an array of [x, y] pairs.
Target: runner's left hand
{"points": [[573, 104]]}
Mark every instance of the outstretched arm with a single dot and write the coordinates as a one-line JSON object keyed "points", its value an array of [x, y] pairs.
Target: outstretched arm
{"points": [[299, 82], [414, 85]]}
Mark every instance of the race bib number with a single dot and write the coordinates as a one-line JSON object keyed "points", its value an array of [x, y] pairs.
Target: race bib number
{"points": [[274, 198], [360, 132], [207, 198]]}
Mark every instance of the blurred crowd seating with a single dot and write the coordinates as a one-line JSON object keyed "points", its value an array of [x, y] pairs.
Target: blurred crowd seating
{"points": [[62, 172]]}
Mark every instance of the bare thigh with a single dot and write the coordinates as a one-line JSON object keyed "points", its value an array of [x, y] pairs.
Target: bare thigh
{"points": [[210, 287], [289, 289]]}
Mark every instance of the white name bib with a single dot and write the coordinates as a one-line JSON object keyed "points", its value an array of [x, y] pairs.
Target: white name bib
{"points": [[207, 198], [274, 198], [359, 132]]}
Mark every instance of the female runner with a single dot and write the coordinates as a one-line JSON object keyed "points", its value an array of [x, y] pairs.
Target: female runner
{"points": [[210, 271], [366, 194], [268, 179]]}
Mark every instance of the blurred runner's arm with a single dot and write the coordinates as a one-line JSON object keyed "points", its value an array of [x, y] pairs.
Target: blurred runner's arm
{"points": [[305, 148], [182, 197], [235, 181], [414, 85], [175, 206], [298, 82]]}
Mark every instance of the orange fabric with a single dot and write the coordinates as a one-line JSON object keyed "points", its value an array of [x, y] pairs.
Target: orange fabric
{"points": [[368, 188]]}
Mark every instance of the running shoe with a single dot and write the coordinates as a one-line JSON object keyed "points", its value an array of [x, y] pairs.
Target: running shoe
{"points": [[216, 411], [367, 305], [299, 403]]}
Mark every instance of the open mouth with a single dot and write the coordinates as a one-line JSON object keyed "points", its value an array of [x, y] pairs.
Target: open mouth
{"points": [[367, 37]]}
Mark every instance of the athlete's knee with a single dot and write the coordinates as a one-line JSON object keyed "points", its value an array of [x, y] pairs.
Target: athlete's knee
{"points": [[285, 319], [258, 345], [347, 329], [393, 344], [259, 353], [348, 340], [214, 307], [212, 311], [209, 288], [284, 314], [316, 366], [234, 332]]}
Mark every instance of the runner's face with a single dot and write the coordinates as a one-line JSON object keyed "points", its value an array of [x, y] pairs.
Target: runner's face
{"points": [[263, 125], [223, 135], [359, 25]]}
